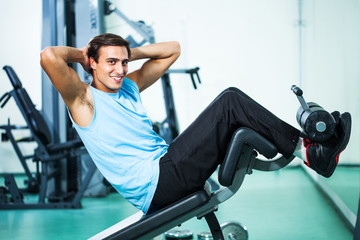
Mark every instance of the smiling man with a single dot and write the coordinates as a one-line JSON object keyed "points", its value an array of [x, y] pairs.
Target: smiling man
{"points": [[113, 124], [111, 121]]}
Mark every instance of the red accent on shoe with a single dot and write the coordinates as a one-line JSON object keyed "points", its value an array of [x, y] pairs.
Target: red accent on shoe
{"points": [[337, 157], [307, 141], [306, 151]]}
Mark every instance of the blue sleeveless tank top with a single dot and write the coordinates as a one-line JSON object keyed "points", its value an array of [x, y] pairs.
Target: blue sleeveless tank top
{"points": [[123, 145]]}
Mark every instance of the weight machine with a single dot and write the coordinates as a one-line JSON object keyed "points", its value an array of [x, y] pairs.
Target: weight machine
{"points": [[47, 157]]}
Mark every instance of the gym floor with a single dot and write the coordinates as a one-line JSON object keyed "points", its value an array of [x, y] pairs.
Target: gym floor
{"points": [[279, 205]]}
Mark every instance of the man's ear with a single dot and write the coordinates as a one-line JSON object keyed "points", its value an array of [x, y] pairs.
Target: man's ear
{"points": [[93, 63]]}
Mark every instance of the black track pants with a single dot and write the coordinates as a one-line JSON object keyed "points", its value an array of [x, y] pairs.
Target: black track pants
{"points": [[195, 154]]}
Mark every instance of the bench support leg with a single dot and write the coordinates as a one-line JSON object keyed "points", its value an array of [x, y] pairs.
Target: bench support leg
{"points": [[214, 226]]}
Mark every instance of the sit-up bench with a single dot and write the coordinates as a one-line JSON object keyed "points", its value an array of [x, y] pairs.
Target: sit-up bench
{"points": [[239, 161]]}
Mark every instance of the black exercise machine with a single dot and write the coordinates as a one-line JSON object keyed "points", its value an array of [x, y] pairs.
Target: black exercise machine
{"points": [[47, 157]]}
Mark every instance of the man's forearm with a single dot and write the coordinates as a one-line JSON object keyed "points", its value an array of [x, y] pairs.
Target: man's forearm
{"points": [[63, 55], [68, 54], [155, 51]]}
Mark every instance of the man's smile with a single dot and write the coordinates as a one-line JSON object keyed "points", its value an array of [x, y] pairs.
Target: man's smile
{"points": [[117, 79]]}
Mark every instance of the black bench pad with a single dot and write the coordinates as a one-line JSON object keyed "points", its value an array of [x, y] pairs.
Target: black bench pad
{"points": [[162, 217]]}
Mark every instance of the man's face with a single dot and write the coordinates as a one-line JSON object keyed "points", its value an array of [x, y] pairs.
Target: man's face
{"points": [[111, 68]]}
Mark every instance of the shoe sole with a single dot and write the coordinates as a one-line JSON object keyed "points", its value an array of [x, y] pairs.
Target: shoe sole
{"points": [[345, 121]]}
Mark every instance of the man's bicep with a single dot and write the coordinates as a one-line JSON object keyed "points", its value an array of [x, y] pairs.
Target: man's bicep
{"points": [[65, 80], [149, 73], [63, 77]]}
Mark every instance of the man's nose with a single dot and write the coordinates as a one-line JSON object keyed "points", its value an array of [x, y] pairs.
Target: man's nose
{"points": [[120, 68]]}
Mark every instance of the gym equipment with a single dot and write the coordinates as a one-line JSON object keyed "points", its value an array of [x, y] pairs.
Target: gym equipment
{"points": [[146, 32], [318, 124], [231, 230], [204, 236], [47, 157], [62, 25], [178, 234], [241, 159], [234, 231]]}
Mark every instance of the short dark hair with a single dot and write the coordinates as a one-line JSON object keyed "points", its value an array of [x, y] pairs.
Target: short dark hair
{"points": [[106, 39]]}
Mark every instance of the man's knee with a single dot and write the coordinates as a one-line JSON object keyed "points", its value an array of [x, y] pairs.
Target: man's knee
{"points": [[231, 92], [232, 89]]}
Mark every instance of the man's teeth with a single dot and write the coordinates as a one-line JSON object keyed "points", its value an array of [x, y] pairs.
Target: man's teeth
{"points": [[117, 78]]}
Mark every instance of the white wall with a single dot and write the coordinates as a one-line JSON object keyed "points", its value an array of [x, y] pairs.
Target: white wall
{"points": [[20, 26], [331, 63]]}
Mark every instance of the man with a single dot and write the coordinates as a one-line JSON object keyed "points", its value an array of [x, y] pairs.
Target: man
{"points": [[111, 121]]}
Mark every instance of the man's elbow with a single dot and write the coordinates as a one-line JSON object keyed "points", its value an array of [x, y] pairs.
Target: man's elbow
{"points": [[176, 48], [46, 56]]}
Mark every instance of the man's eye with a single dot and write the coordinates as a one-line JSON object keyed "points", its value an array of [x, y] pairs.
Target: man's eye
{"points": [[125, 62], [111, 62]]}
